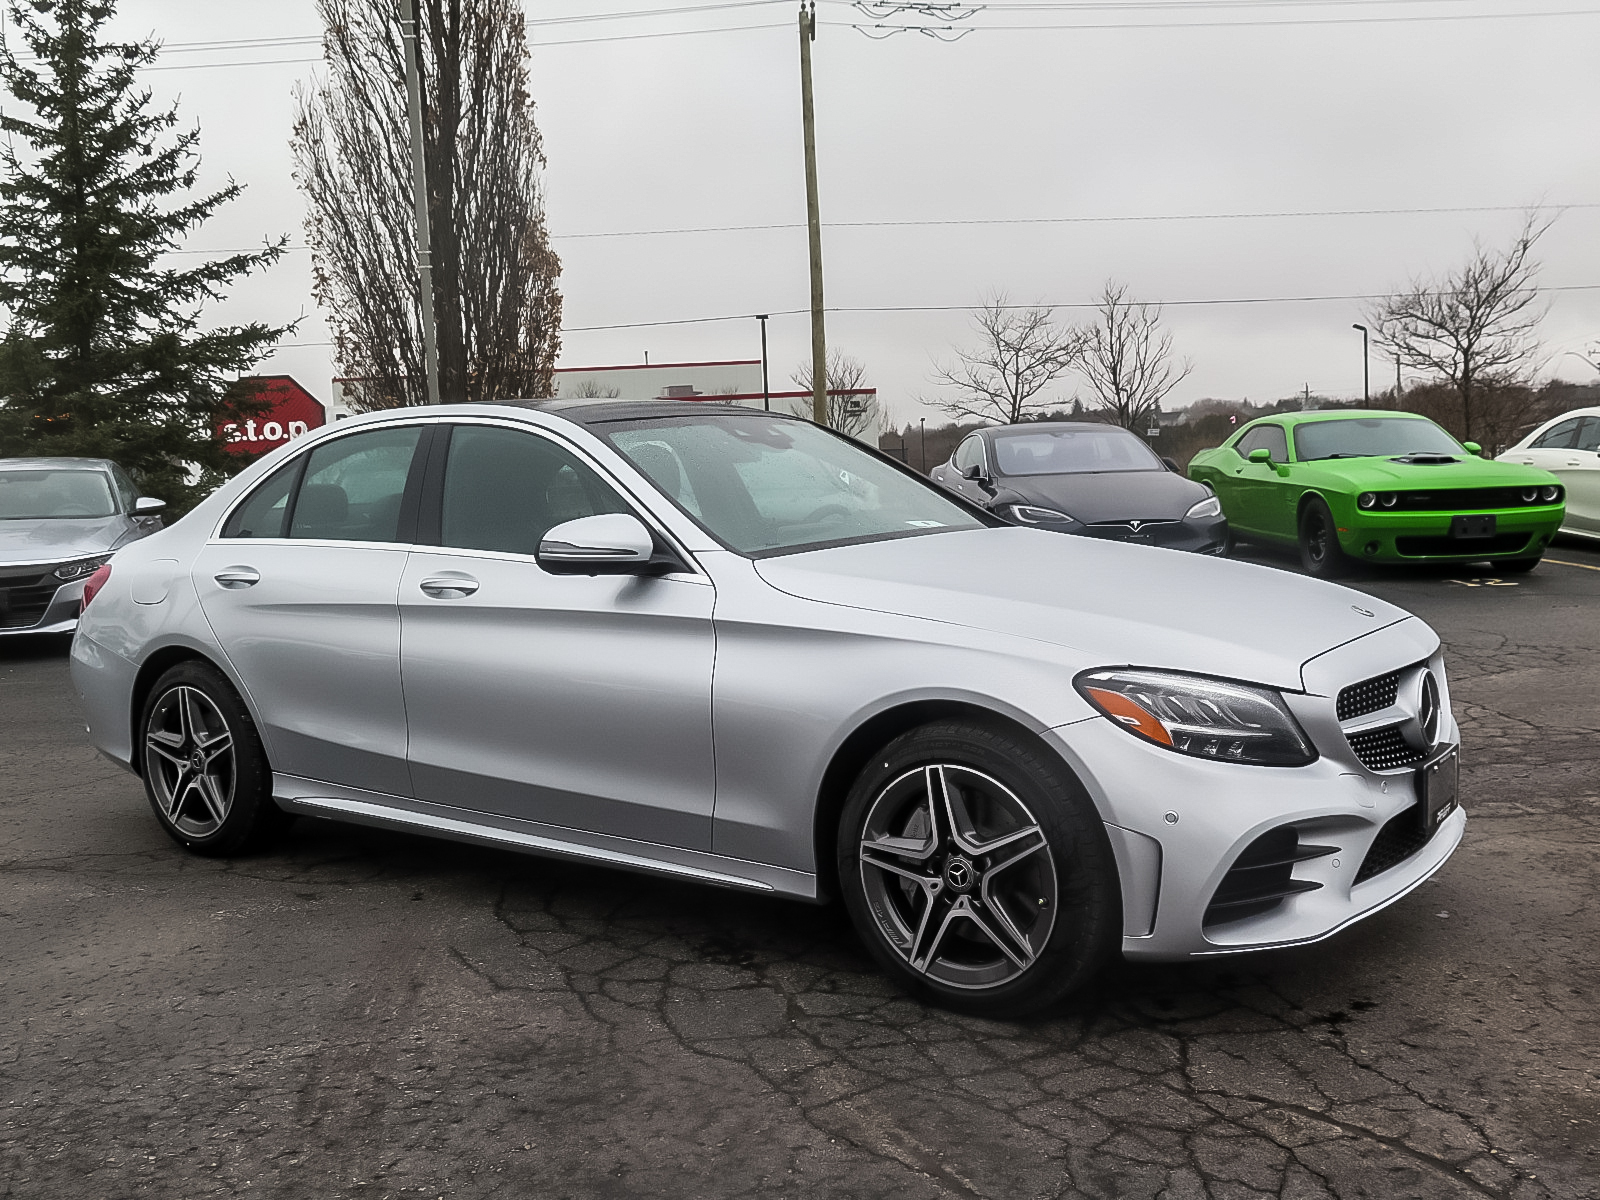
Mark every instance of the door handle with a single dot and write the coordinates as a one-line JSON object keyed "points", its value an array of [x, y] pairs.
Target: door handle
{"points": [[449, 587], [234, 578]]}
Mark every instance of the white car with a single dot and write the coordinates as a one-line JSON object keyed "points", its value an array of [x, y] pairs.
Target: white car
{"points": [[1569, 447]]}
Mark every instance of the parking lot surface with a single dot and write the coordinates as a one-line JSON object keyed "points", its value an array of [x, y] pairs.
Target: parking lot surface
{"points": [[368, 1014]]}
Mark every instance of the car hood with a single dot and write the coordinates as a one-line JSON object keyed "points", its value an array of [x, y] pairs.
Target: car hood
{"points": [[1114, 603], [1110, 495], [1378, 473], [39, 541]]}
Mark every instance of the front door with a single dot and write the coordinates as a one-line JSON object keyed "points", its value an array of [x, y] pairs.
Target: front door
{"points": [[301, 590], [574, 701], [1255, 491]]}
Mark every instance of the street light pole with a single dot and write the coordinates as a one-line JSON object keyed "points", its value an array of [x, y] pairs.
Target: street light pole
{"points": [[922, 445], [1366, 365], [819, 346], [766, 391], [419, 182]]}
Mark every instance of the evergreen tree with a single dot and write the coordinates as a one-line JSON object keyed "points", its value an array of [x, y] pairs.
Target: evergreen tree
{"points": [[103, 352]]}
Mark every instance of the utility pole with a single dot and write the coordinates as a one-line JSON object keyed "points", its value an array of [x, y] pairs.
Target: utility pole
{"points": [[1397, 381], [819, 343], [1366, 365], [766, 390], [419, 179], [1306, 403]]}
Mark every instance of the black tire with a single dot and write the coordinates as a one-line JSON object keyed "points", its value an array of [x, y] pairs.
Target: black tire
{"points": [[205, 772], [1516, 566], [1057, 906], [1320, 552]]}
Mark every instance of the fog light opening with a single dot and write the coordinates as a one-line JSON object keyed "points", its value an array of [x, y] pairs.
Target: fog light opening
{"points": [[1370, 548]]}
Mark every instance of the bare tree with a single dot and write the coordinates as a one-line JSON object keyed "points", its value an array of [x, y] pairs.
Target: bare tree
{"points": [[1020, 353], [847, 414], [1474, 328], [496, 300], [1128, 362], [590, 390]]}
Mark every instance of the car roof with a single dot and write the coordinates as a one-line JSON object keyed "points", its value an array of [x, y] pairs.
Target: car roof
{"points": [[45, 464], [1333, 414], [605, 411], [1029, 426]]}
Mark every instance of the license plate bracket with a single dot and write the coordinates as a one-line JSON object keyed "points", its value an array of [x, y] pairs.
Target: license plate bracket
{"points": [[1438, 790], [1472, 525]]}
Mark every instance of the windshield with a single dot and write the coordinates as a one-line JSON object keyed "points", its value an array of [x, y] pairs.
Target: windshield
{"points": [[1368, 437], [764, 485], [1071, 451], [52, 495]]}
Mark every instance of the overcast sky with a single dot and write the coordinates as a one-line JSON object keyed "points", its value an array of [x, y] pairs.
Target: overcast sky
{"points": [[1176, 109]]}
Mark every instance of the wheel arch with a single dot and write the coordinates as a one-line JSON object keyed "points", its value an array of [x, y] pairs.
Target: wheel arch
{"points": [[871, 736]]}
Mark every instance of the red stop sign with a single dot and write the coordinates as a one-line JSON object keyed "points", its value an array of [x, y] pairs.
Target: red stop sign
{"points": [[293, 412]]}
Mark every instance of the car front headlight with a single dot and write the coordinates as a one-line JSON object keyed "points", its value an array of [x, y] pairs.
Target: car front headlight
{"points": [[1550, 494], [1206, 718], [1209, 507], [1032, 514], [79, 568]]}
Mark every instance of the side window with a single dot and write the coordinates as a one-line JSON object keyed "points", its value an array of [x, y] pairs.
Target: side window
{"points": [[504, 489], [262, 515], [353, 487], [1562, 437], [969, 454], [126, 492], [1589, 435], [1269, 437]]}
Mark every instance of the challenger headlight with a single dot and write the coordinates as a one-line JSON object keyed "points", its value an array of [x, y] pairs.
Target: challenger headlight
{"points": [[81, 567], [1207, 718], [1209, 507], [1367, 499], [1032, 514], [1387, 499], [1550, 494]]}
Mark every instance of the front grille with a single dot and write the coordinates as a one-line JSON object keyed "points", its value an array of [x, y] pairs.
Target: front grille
{"points": [[1460, 500], [1500, 543], [1262, 877], [1400, 838], [1368, 696], [1383, 749], [21, 607], [1152, 531]]}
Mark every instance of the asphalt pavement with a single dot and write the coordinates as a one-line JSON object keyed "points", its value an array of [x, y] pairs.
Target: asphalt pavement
{"points": [[368, 1014]]}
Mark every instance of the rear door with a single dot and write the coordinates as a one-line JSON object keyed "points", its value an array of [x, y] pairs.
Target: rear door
{"points": [[300, 589], [570, 700]]}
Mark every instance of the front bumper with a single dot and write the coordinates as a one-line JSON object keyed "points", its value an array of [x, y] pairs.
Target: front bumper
{"points": [[1179, 824], [1208, 535], [1425, 537]]}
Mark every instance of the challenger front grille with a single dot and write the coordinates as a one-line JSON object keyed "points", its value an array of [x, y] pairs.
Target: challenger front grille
{"points": [[1383, 749], [1368, 696]]}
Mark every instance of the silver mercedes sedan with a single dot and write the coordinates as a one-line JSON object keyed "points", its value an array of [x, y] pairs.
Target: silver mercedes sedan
{"points": [[730, 646], [60, 518]]}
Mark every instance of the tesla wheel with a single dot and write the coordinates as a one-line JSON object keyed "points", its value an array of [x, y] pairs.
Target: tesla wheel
{"points": [[1320, 552], [977, 870], [205, 771], [1515, 566]]}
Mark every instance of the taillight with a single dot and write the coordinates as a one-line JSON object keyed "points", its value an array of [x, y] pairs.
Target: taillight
{"points": [[93, 584]]}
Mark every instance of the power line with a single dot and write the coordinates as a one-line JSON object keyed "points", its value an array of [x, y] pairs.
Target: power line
{"points": [[1424, 18]]}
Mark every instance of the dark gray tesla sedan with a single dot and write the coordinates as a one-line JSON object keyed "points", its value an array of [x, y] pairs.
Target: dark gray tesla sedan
{"points": [[60, 519], [1085, 478]]}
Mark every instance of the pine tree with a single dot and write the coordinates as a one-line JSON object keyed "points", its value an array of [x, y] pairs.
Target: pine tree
{"points": [[104, 353]]}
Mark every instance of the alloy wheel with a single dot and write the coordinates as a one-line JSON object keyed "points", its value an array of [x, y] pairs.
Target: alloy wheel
{"points": [[958, 876], [189, 761]]}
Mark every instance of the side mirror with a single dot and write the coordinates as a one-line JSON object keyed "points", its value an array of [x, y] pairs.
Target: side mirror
{"points": [[973, 473], [1172, 465], [1472, 447], [148, 506], [1261, 455], [608, 544]]}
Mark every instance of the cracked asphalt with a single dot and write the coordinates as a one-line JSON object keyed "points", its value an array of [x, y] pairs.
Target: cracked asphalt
{"points": [[368, 1014]]}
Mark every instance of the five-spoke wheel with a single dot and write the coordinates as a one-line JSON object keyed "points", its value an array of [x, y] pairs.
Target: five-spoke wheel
{"points": [[204, 769], [977, 870]]}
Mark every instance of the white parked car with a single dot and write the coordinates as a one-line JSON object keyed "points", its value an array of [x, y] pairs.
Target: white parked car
{"points": [[1569, 447]]}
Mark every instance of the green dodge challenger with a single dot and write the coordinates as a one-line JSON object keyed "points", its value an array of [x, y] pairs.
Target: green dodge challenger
{"points": [[1354, 485]]}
